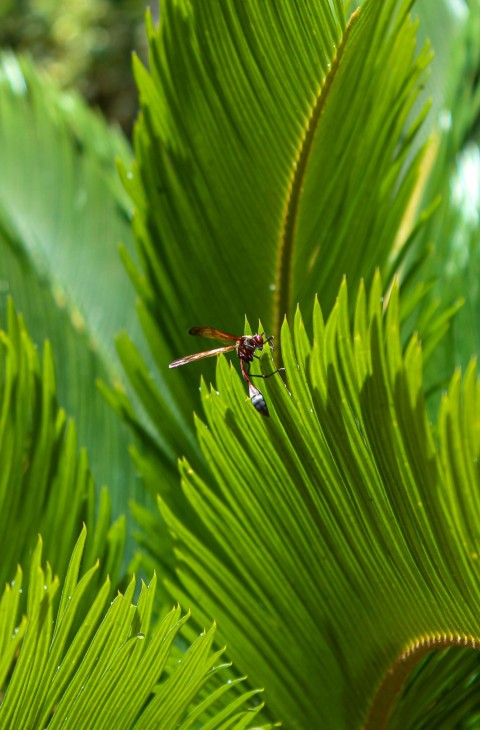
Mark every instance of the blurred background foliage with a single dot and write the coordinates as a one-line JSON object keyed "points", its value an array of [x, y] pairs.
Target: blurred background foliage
{"points": [[82, 44]]}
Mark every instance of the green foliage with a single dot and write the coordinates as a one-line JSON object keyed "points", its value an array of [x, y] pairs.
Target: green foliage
{"points": [[241, 196], [62, 214], [319, 519], [113, 671], [263, 182], [82, 44], [442, 692], [455, 169], [335, 543], [49, 666], [45, 485]]}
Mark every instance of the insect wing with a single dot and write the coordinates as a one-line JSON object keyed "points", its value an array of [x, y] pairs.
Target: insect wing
{"points": [[258, 400], [200, 356], [212, 334]]}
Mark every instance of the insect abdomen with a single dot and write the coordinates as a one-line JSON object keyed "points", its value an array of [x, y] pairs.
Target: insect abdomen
{"points": [[258, 400]]}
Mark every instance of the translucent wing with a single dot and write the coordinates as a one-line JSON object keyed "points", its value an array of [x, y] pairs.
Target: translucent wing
{"points": [[213, 334], [201, 355]]}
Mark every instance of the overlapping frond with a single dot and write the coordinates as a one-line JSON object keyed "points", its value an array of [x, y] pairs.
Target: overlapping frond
{"points": [[274, 154], [45, 483], [113, 671], [63, 213], [341, 518]]}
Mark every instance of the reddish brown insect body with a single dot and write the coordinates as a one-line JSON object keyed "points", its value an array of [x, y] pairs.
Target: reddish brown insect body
{"points": [[245, 345]]}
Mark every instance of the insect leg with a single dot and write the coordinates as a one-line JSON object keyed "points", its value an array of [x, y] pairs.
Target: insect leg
{"points": [[245, 368], [280, 370], [268, 340]]}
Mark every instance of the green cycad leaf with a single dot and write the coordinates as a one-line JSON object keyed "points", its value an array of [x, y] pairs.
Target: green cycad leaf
{"points": [[107, 675], [271, 159], [62, 215], [337, 541], [442, 692], [45, 483]]}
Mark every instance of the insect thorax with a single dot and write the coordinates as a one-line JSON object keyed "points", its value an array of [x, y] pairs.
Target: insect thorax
{"points": [[246, 347]]}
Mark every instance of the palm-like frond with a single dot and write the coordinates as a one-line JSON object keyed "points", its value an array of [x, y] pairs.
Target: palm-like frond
{"points": [[272, 158], [336, 543], [45, 483], [63, 213], [342, 539], [112, 671]]}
